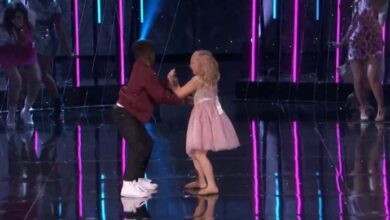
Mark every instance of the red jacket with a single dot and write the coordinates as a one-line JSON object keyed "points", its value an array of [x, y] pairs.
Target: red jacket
{"points": [[143, 91]]}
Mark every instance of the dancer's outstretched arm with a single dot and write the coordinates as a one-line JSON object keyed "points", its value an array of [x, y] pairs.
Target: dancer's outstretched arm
{"points": [[183, 91]]}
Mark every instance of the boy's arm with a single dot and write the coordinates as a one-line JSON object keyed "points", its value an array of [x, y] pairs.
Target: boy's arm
{"points": [[157, 91]]}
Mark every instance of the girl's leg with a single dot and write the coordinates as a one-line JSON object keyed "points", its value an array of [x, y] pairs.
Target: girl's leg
{"points": [[14, 88], [357, 67], [376, 86], [200, 208], [32, 77], [210, 211], [46, 65], [201, 181], [209, 174]]}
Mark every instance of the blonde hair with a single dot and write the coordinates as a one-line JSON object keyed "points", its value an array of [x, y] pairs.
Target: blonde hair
{"points": [[208, 67]]}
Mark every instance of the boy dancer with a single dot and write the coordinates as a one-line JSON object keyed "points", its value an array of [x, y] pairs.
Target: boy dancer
{"points": [[132, 110]]}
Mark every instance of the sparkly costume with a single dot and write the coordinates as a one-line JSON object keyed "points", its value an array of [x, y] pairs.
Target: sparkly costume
{"points": [[45, 35], [364, 33]]}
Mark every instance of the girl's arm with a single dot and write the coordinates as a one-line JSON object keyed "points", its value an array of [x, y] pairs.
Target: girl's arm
{"points": [[189, 88], [61, 34], [183, 91]]}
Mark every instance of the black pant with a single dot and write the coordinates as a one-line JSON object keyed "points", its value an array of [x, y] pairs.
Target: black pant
{"points": [[139, 143]]}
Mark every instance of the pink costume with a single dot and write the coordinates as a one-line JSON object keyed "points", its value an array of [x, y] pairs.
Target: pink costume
{"points": [[17, 53], [209, 128]]}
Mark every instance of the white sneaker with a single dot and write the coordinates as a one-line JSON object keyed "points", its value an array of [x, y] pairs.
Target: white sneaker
{"points": [[10, 122], [130, 205], [134, 190], [147, 184], [26, 116]]}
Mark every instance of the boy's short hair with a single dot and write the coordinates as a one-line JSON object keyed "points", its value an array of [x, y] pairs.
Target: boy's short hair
{"points": [[142, 47]]}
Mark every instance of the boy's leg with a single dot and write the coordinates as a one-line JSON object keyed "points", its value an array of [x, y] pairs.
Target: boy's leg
{"points": [[145, 155], [139, 144]]}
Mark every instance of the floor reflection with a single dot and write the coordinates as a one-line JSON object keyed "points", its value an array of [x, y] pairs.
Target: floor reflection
{"points": [[285, 169], [368, 195]]}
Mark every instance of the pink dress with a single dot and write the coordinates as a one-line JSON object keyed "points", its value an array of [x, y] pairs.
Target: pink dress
{"points": [[209, 128], [17, 53]]}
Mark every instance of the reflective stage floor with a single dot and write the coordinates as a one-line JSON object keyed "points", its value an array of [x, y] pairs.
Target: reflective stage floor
{"points": [[294, 162]]}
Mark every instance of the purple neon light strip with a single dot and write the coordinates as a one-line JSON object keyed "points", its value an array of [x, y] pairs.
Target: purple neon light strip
{"points": [[80, 171], [36, 143], [338, 32], [385, 188], [123, 150], [339, 171], [294, 65], [384, 36], [77, 41], [253, 41], [121, 42], [297, 170], [384, 44], [255, 168]]}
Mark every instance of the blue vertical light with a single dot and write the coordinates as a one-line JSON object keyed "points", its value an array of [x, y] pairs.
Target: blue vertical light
{"points": [[146, 177], [60, 209], [317, 10], [277, 197], [99, 11], [320, 199], [102, 197], [9, 1], [142, 11], [274, 9], [320, 205]]}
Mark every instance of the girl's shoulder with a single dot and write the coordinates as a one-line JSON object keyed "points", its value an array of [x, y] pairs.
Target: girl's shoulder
{"points": [[202, 83], [198, 81]]}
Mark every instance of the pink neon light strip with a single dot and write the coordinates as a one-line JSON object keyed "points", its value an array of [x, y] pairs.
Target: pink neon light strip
{"points": [[339, 171], [384, 36], [384, 45], [121, 43], [338, 33], [77, 41], [255, 169], [123, 149], [253, 41], [294, 68], [385, 189], [297, 170], [80, 171], [36, 145]]}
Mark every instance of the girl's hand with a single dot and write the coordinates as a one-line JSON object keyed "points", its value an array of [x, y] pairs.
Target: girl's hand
{"points": [[173, 82]]}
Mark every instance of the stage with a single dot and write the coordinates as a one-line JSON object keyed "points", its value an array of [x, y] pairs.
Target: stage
{"points": [[308, 161]]}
